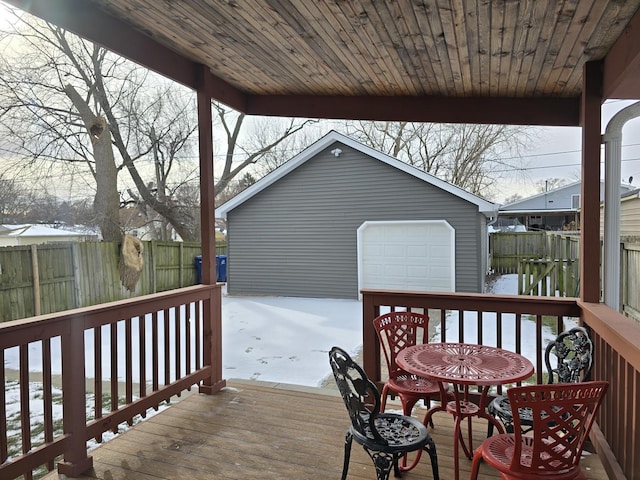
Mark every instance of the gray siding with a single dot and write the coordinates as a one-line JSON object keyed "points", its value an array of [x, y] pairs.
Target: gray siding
{"points": [[298, 236], [560, 198]]}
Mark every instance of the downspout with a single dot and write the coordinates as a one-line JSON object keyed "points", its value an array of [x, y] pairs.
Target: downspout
{"points": [[612, 176], [492, 220]]}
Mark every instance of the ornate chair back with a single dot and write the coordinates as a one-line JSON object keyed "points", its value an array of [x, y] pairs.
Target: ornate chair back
{"points": [[573, 351], [360, 394], [399, 330], [386, 437], [562, 417]]}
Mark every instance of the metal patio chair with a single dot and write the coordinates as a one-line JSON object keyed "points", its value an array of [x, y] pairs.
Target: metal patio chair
{"points": [[386, 437], [573, 351], [396, 331], [562, 415]]}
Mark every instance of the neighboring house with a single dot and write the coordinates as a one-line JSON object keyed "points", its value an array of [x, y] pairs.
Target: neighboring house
{"points": [[341, 216], [629, 215], [557, 209], [14, 235]]}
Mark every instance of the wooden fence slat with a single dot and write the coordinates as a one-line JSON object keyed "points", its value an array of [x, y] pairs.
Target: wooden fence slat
{"points": [[50, 278]]}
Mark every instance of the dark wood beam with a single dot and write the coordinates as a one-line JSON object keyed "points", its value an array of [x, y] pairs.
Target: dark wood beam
{"points": [[84, 19], [207, 195], [487, 110], [622, 64], [590, 119]]}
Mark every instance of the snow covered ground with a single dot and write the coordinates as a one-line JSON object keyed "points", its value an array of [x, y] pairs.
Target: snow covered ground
{"points": [[286, 339]]}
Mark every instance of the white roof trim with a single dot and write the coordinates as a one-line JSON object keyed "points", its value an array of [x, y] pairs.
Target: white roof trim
{"points": [[221, 212], [537, 211]]}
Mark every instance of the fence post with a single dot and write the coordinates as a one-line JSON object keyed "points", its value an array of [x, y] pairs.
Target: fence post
{"points": [[152, 258], [181, 263], [77, 291], [36, 280]]}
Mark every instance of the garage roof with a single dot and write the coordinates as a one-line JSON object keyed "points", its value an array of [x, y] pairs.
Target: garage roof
{"points": [[484, 206]]}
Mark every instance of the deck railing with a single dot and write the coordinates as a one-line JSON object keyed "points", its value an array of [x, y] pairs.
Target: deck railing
{"points": [[525, 325], [109, 363]]}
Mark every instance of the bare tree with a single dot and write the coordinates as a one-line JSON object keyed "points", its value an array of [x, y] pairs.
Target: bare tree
{"points": [[465, 155], [14, 201], [258, 146], [548, 184], [67, 104], [512, 198]]}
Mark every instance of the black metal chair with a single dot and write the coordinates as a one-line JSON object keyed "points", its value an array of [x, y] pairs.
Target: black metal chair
{"points": [[573, 350], [386, 437]]}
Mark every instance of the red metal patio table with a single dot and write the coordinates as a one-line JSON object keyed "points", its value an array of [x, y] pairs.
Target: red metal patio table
{"points": [[463, 365]]}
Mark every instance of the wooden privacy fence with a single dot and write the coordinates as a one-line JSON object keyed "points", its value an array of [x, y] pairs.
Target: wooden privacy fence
{"points": [[630, 284], [54, 277], [549, 277], [508, 249], [547, 263]]}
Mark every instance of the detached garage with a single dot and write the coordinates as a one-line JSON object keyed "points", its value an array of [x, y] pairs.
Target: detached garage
{"points": [[341, 216]]}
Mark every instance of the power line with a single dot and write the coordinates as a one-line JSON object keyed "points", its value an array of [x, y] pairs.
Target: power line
{"points": [[541, 167]]}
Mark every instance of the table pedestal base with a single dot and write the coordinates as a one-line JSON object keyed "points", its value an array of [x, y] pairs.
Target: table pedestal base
{"points": [[462, 408]]}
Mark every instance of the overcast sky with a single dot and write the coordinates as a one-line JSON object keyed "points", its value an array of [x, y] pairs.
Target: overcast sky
{"points": [[557, 154]]}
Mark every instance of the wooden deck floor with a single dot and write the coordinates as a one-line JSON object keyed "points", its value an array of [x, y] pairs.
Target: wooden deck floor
{"points": [[256, 430]]}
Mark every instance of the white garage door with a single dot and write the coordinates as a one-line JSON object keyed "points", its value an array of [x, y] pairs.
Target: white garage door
{"points": [[407, 255]]}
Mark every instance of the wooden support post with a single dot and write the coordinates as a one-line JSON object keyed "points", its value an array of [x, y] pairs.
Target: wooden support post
{"points": [[370, 343], [212, 314], [590, 120]]}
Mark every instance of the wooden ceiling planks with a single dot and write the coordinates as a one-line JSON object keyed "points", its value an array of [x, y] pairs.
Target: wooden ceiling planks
{"points": [[361, 57], [365, 47], [428, 78], [403, 45], [480, 47], [439, 59], [581, 23], [379, 35], [433, 54], [352, 58], [313, 70], [444, 62], [523, 47], [598, 43], [497, 30], [454, 21], [248, 55], [508, 56]]}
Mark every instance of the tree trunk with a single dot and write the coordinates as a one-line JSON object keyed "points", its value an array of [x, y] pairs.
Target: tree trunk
{"points": [[107, 199]]}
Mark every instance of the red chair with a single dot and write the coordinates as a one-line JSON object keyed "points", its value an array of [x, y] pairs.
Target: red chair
{"points": [[562, 418], [396, 331]]}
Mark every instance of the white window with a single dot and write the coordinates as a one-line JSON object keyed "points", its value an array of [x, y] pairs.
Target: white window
{"points": [[575, 201]]}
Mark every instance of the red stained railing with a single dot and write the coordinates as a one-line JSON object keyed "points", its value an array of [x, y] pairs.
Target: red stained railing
{"points": [[525, 325], [138, 353]]}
